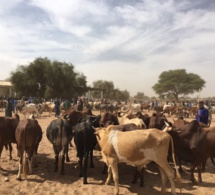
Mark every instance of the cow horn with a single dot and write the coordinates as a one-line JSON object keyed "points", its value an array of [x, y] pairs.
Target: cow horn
{"points": [[167, 128]]}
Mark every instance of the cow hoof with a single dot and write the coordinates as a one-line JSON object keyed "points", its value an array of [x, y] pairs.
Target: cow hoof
{"points": [[19, 178], [195, 183], [85, 182]]}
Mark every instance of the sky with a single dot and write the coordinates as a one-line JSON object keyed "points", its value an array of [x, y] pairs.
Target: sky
{"points": [[128, 42]]}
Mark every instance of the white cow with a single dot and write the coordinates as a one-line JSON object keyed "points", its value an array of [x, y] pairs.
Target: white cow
{"points": [[29, 109]]}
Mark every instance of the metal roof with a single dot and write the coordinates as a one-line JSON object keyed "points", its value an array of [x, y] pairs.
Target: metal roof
{"points": [[5, 84]]}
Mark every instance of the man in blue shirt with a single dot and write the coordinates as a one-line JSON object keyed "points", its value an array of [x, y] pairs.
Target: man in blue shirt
{"points": [[202, 114]]}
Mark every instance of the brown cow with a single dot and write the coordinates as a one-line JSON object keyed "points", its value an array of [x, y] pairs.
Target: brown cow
{"points": [[193, 144], [28, 136], [144, 147], [7, 132]]}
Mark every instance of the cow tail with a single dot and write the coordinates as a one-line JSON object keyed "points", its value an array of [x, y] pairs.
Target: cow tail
{"points": [[178, 176], [60, 153], [24, 161], [60, 162]]}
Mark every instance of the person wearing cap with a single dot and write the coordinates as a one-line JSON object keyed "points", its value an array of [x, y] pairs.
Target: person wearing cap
{"points": [[202, 114]]}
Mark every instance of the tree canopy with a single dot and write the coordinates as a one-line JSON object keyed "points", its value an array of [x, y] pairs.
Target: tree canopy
{"points": [[178, 82], [44, 78], [109, 91]]}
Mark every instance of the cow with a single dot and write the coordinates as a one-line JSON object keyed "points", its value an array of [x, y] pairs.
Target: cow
{"points": [[108, 118], [59, 133], [137, 148], [125, 119], [73, 118], [123, 128], [193, 144], [85, 141], [30, 109], [7, 132], [157, 121], [28, 136]]}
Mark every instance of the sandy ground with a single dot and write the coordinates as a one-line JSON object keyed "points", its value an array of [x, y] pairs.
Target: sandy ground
{"points": [[46, 182]]}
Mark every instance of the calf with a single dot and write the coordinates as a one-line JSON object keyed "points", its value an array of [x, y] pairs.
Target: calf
{"points": [[59, 133], [144, 147], [85, 141], [28, 136]]}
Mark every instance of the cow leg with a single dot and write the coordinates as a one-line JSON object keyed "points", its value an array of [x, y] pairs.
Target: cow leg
{"points": [[139, 172], [199, 168], [163, 179], [104, 171], [212, 160], [30, 164], [203, 165], [20, 154], [166, 170], [109, 175], [62, 161], [91, 159], [1, 148], [10, 150], [56, 158], [136, 175], [85, 166], [81, 165], [114, 168], [192, 178], [67, 155]]}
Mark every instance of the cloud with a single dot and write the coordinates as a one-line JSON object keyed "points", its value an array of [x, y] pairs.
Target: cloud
{"points": [[112, 39]]}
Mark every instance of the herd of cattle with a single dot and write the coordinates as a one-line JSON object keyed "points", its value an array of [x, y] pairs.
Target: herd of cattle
{"points": [[130, 137]]}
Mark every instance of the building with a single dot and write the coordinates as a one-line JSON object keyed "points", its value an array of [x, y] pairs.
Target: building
{"points": [[6, 89]]}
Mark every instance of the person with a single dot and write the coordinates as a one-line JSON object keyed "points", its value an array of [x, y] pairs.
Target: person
{"points": [[202, 114], [9, 108], [57, 107], [80, 104], [210, 110], [66, 105]]}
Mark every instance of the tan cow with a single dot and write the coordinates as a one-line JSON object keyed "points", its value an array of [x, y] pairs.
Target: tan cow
{"points": [[28, 136], [137, 148]]}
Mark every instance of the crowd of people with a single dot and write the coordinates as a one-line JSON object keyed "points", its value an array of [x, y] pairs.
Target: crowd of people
{"points": [[203, 115]]}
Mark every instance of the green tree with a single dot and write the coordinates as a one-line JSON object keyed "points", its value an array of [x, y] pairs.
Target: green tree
{"points": [[48, 79], [139, 96], [108, 87], [178, 82], [109, 91]]}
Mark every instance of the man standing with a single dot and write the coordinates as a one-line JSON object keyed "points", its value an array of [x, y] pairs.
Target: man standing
{"points": [[202, 114], [57, 107], [9, 108], [209, 108]]}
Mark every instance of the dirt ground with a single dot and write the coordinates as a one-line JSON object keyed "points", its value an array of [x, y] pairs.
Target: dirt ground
{"points": [[46, 182]]}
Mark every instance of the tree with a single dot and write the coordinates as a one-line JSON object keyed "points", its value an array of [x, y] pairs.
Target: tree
{"points": [[109, 91], [48, 79], [139, 96], [178, 82]]}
